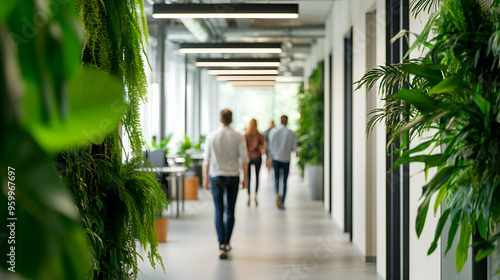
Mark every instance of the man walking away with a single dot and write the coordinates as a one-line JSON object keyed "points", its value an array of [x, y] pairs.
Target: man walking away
{"points": [[282, 141], [225, 154]]}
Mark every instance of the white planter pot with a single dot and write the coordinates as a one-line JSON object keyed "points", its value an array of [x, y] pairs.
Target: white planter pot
{"points": [[315, 179]]}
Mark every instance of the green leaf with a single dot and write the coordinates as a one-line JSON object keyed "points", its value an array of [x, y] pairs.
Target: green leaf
{"points": [[452, 232], [439, 230], [483, 253], [422, 102], [439, 198], [421, 147], [429, 160], [447, 85], [432, 73], [95, 108], [421, 216], [443, 175], [6, 7], [46, 207], [463, 244], [482, 224], [482, 103]]}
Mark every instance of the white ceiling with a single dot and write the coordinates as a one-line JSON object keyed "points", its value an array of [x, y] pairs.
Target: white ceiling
{"points": [[300, 32]]}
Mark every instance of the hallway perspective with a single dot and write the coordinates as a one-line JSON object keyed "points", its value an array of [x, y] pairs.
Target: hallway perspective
{"points": [[298, 243]]}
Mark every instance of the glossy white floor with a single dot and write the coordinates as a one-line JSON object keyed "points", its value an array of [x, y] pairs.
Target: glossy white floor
{"points": [[300, 242]]}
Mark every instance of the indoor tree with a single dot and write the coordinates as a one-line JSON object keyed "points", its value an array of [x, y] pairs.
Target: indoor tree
{"points": [[453, 91]]}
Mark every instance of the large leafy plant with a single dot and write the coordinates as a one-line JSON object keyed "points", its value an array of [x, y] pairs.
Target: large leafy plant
{"points": [[48, 102], [311, 108], [453, 91]]}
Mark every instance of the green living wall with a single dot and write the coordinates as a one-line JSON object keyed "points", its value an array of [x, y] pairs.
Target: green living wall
{"points": [[311, 108], [78, 204]]}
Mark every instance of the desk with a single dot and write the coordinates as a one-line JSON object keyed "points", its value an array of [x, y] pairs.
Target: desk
{"points": [[177, 171]]}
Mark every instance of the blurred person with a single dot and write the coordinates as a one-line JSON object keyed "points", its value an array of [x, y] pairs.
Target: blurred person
{"points": [[269, 164], [225, 154], [255, 145], [282, 141]]}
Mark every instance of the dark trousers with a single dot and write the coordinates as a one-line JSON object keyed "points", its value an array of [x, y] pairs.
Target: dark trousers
{"points": [[257, 162], [224, 186], [285, 168]]}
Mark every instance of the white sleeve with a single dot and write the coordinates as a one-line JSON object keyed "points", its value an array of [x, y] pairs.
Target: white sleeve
{"points": [[270, 144], [208, 151]]}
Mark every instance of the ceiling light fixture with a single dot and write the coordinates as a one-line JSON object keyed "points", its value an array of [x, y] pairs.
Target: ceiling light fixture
{"points": [[225, 10], [243, 72], [230, 48], [246, 78], [254, 87], [253, 62], [252, 83]]}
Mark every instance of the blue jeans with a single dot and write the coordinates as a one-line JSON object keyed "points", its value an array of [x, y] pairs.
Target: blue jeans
{"points": [[280, 166], [221, 185]]}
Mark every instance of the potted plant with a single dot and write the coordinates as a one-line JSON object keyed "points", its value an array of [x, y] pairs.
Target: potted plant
{"points": [[191, 181], [454, 90], [310, 133], [162, 145]]}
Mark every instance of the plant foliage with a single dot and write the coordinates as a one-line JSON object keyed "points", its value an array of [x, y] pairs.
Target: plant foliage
{"points": [[162, 145], [455, 92], [186, 148], [116, 201], [311, 108], [48, 102]]}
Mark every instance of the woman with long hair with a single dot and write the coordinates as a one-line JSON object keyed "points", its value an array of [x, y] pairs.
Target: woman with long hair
{"points": [[255, 146]]}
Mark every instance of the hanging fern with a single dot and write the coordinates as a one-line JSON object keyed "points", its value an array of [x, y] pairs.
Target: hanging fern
{"points": [[117, 203]]}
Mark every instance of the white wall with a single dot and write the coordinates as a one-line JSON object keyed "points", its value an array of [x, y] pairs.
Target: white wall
{"points": [[327, 133], [358, 11], [420, 246], [379, 133], [338, 30]]}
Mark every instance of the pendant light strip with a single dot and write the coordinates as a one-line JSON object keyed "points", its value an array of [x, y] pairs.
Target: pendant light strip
{"points": [[225, 10]]}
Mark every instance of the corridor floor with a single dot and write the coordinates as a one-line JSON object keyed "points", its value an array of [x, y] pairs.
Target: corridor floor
{"points": [[298, 243]]}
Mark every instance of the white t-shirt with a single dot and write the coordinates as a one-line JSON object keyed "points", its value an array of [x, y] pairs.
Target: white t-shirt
{"points": [[225, 149]]}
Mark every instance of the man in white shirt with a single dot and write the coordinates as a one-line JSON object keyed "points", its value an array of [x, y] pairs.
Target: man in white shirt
{"points": [[225, 154], [282, 141]]}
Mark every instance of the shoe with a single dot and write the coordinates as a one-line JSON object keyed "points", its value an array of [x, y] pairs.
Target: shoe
{"points": [[223, 255], [256, 202], [223, 251], [248, 201], [278, 202], [227, 247]]}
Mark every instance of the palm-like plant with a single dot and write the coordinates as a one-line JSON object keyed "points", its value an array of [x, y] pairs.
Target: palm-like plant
{"points": [[454, 91]]}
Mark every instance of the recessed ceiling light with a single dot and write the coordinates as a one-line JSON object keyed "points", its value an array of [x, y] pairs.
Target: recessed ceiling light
{"points": [[231, 48], [223, 10], [252, 83], [238, 63], [243, 72], [254, 87], [246, 78]]}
